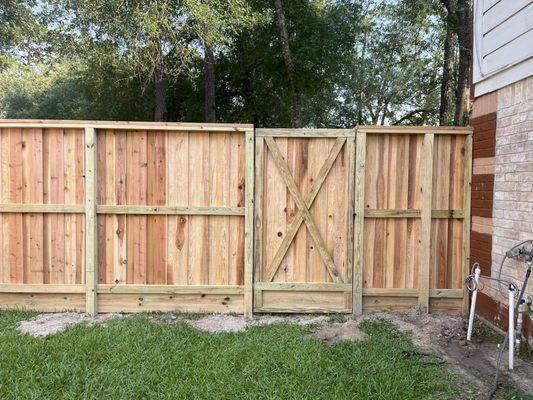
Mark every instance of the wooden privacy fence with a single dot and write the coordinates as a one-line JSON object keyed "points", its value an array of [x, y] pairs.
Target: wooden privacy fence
{"points": [[110, 217]]}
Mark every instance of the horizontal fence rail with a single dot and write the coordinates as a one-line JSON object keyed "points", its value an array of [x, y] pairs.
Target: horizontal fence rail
{"points": [[103, 216]]}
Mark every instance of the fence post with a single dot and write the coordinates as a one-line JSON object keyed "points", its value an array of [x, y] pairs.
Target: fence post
{"points": [[258, 212], [425, 229], [249, 224], [91, 242], [466, 217], [359, 223]]}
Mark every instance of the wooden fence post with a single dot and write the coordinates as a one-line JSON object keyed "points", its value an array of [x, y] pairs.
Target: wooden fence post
{"points": [[466, 217], [91, 242], [249, 225], [425, 229], [359, 224], [258, 212]]}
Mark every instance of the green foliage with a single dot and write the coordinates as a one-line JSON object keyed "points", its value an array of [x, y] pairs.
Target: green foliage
{"points": [[70, 91], [356, 61], [132, 358]]}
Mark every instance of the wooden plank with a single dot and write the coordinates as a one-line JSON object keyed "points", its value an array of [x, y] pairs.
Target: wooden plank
{"points": [[249, 226], [53, 192], [415, 130], [111, 181], [199, 195], [171, 289], [295, 226], [120, 221], [308, 219], [4, 182], [91, 242], [70, 150], [178, 195], [32, 175], [303, 132], [125, 125], [391, 213], [43, 208], [237, 199], [156, 226], [305, 286], [400, 292], [219, 170], [318, 154], [136, 187], [390, 292], [187, 303], [293, 301], [359, 221], [169, 210], [425, 230], [43, 302], [259, 204], [467, 218], [410, 213], [41, 288], [350, 210]]}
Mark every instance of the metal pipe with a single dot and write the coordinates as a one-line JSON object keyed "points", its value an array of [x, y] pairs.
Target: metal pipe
{"points": [[477, 271], [519, 323], [511, 326]]}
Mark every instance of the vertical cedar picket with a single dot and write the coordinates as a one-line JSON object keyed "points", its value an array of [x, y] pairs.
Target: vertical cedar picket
{"points": [[425, 230], [359, 223], [91, 241], [249, 225], [466, 217]]}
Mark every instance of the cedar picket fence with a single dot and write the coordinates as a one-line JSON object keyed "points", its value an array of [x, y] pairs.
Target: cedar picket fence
{"points": [[103, 216]]}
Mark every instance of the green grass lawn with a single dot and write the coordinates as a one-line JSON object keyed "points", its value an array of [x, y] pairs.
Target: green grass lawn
{"points": [[133, 358]]}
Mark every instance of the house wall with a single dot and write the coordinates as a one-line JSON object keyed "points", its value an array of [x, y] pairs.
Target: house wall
{"points": [[502, 188], [503, 32]]}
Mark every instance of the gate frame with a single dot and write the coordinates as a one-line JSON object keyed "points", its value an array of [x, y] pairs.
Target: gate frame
{"points": [[265, 140]]}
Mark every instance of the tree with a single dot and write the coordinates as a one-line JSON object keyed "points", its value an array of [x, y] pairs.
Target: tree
{"points": [[296, 103], [146, 34], [20, 32], [458, 27], [448, 73], [216, 22]]}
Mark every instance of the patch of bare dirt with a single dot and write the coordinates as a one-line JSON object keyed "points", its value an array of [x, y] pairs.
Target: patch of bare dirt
{"points": [[475, 360], [48, 324], [331, 334], [217, 323]]}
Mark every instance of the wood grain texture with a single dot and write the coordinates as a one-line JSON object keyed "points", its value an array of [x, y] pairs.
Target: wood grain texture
{"points": [[167, 194], [174, 209], [304, 174]]}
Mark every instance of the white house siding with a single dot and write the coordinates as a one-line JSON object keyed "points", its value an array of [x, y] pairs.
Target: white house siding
{"points": [[503, 43]]}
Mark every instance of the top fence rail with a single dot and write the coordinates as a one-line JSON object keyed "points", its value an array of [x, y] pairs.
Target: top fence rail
{"points": [[124, 125], [279, 132]]}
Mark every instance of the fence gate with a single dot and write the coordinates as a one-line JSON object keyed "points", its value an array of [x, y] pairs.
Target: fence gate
{"points": [[304, 220]]}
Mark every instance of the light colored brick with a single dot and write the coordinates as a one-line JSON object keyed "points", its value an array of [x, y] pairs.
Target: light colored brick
{"points": [[513, 180]]}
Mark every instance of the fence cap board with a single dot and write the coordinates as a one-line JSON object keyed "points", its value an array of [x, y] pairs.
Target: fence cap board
{"points": [[125, 125], [407, 129]]}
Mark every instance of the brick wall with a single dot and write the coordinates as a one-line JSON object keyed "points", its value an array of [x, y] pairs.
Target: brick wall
{"points": [[513, 179], [502, 190]]}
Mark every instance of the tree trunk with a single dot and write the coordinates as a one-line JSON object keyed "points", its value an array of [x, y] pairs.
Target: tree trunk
{"points": [[296, 103], [448, 73], [209, 90], [464, 34], [160, 109]]}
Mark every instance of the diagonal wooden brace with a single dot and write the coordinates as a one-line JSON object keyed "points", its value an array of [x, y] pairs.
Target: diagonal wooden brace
{"points": [[304, 213]]}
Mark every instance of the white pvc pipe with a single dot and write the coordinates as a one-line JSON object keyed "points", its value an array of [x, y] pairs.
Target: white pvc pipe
{"points": [[477, 271], [511, 327]]}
